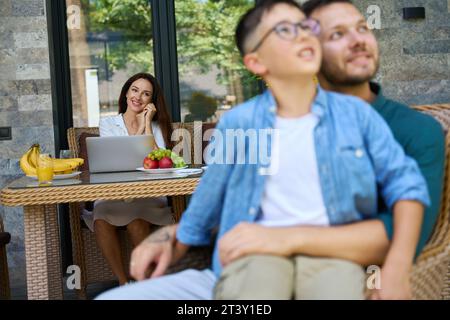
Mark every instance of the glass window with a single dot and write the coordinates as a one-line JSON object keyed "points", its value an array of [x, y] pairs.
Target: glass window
{"points": [[211, 74], [109, 41]]}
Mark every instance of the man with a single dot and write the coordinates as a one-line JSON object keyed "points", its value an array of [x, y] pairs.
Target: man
{"points": [[350, 62], [258, 214]]}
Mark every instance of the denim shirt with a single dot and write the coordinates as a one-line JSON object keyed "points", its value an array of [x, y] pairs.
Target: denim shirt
{"points": [[355, 150]]}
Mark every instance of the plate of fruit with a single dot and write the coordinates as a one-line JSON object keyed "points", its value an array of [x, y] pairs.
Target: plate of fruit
{"points": [[162, 161]]}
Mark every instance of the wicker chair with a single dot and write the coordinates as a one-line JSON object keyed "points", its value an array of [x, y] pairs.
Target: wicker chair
{"points": [[4, 276], [86, 253], [431, 273]]}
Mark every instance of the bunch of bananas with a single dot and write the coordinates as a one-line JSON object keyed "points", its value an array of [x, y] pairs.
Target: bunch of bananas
{"points": [[28, 163]]}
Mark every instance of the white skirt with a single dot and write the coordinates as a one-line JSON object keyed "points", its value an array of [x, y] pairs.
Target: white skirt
{"points": [[122, 212]]}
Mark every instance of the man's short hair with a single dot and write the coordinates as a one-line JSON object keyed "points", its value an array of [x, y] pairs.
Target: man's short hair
{"points": [[312, 5], [251, 20]]}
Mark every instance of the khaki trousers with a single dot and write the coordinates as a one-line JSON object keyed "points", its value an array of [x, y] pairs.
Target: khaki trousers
{"points": [[266, 277]]}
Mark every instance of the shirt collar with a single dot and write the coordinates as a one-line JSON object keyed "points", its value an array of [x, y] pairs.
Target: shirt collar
{"points": [[319, 105], [380, 100]]}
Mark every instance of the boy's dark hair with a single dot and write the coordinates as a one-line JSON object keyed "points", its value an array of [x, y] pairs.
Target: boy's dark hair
{"points": [[312, 5], [250, 21]]}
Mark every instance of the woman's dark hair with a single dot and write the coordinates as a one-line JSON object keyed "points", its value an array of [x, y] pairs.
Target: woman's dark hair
{"points": [[162, 116], [250, 21]]}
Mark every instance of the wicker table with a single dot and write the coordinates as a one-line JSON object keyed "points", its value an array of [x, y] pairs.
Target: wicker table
{"points": [[42, 243]]}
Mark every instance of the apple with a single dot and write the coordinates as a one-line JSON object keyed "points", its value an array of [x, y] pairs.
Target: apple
{"points": [[165, 163], [150, 164]]}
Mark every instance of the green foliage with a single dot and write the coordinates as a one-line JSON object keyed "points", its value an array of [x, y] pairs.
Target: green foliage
{"points": [[201, 107], [130, 18], [205, 31]]}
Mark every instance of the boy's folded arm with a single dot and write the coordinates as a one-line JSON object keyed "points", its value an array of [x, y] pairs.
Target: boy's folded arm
{"points": [[348, 242]]}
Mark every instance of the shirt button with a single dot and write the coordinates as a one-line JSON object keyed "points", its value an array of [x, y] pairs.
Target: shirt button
{"points": [[262, 171], [273, 109], [359, 153], [252, 211]]}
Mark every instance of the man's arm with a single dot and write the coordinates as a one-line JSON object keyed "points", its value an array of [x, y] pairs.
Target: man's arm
{"points": [[395, 283], [365, 243]]}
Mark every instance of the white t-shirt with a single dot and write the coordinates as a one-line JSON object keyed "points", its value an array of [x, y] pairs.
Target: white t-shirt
{"points": [[293, 195], [115, 126]]}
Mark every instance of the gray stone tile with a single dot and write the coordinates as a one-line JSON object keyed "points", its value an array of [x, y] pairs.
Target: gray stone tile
{"points": [[7, 177], [17, 266], [389, 42], [6, 39], [23, 24], [5, 8], [9, 167], [13, 221], [438, 33], [7, 72], [35, 102], [32, 55], [37, 39], [28, 87], [8, 88], [418, 92], [24, 137], [427, 47], [26, 119], [418, 67], [33, 71], [28, 8], [8, 103], [7, 56]]}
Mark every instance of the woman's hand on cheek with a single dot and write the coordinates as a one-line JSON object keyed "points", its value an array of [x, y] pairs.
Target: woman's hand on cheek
{"points": [[150, 111]]}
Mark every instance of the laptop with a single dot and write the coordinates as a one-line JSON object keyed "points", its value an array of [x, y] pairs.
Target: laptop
{"points": [[117, 154]]}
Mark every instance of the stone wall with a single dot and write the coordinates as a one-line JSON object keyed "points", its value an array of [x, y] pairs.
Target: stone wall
{"points": [[25, 105], [415, 65]]}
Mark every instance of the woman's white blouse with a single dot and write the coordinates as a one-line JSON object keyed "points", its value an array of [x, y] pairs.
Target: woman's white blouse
{"points": [[115, 126]]}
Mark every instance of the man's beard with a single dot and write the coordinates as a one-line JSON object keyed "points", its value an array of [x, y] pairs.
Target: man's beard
{"points": [[339, 78]]}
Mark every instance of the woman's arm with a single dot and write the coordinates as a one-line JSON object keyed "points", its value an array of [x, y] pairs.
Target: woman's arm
{"points": [[150, 112]]}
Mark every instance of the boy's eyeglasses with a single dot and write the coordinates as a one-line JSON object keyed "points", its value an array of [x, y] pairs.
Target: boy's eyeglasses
{"points": [[289, 31]]}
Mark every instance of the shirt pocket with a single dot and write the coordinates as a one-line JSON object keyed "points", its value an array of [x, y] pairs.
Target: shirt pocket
{"points": [[359, 176]]}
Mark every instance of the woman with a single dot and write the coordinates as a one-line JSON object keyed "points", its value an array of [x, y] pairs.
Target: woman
{"points": [[142, 110]]}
